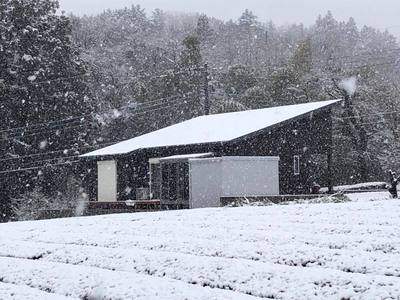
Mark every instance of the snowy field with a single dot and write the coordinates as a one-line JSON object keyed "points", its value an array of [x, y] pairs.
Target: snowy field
{"points": [[310, 251]]}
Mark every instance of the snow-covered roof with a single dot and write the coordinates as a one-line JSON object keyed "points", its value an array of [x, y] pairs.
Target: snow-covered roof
{"points": [[212, 128], [186, 156]]}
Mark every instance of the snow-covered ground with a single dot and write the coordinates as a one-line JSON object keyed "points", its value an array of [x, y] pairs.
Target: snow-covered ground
{"points": [[310, 251], [377, 185]]}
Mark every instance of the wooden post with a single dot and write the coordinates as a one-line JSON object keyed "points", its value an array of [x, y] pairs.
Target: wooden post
{"points": [[330, 153], [206, 93]]}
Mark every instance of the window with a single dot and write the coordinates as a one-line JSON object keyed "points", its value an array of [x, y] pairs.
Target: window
{"points": [[296, 165]]}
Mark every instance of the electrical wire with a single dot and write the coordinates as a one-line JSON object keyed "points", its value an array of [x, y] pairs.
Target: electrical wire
{"points": [[144, 106], [21, 157], [147, 109], [395, 112], [183, 72], [39, 168], [73, 118], [57, 151], [136, 114]]}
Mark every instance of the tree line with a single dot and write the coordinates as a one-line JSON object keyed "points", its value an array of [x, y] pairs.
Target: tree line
{"points": [[70, 84]]}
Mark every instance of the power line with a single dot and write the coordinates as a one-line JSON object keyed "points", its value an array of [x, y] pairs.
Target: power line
{"points": [[42, 132], [370, 123], [174, 72], [82, 116], [360, 66], [197, 69], [53, 152], [58, 79], [52, 159], [149, 76], [67, 128], [72, 125], [370, 53], [365, 54], [318, 62], [145, 105], [395, 112], [140, 113], [52, 123], [41, 167], [57, 151], [69, 119], [185, 72], [44, 166], [366, 64]]}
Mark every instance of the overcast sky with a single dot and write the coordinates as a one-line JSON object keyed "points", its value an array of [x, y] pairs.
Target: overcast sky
{"points": [[378, 13]]}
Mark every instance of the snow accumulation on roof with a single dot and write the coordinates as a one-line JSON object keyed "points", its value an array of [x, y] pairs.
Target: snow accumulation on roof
{"points": [[186, 156], [212, 128]]}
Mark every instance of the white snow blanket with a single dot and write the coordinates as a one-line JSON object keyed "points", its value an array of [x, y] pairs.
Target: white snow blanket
{"points": [[359, 186], [310, 251]]}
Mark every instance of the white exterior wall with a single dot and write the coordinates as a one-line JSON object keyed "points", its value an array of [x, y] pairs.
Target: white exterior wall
{"points": [[205, 176], [211, 179], [250, 176], [107, 181]]}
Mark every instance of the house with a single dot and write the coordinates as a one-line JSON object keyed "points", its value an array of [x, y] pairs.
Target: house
{"points": [[293, 141]]}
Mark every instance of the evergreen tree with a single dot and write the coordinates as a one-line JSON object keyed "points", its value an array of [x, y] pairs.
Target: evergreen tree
{"points": [[191, 55], [247, 29], [203, 29], [247, 19], [252, 64], [43, 78], [302, 59]]}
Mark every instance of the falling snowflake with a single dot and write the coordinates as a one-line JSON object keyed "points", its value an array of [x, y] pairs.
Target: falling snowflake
{"points": [[116, 113], [32, 78], [27, 57], [43, 144]]}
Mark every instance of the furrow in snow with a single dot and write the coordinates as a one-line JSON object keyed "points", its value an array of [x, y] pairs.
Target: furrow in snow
{"points": [[21, 292], [256, 278], [84, 282], [305, 256], [367, 242], [276, 230]]}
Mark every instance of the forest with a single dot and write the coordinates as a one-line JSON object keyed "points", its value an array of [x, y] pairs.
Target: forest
{"points": [[70, 84]]}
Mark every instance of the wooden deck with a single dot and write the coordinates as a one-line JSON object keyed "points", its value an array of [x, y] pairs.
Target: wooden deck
{"points": [[128, 205], [94, 208]]}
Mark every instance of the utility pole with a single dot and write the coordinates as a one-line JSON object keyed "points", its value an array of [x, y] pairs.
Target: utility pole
{"points": [[330, 154], [206, 92]]}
